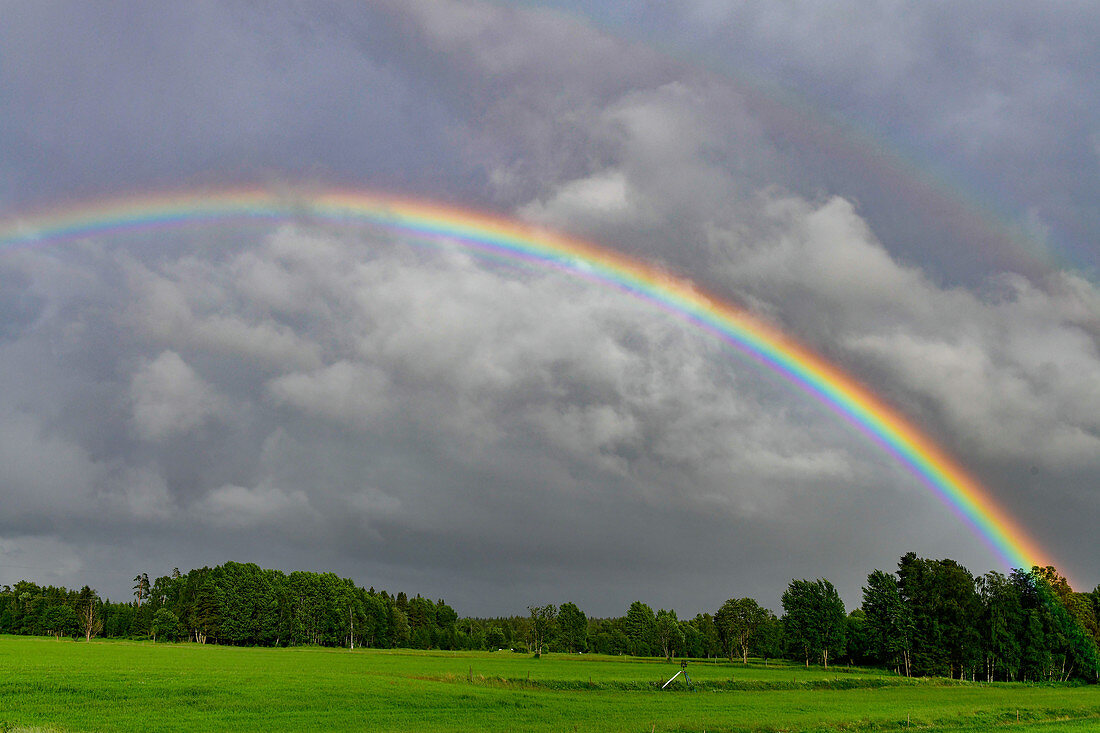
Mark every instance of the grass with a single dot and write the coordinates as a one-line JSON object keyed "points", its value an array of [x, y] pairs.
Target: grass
{"points": [[48, 685]]}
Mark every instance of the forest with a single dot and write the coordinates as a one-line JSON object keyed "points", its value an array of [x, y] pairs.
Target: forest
{"points": [[928, 618]]}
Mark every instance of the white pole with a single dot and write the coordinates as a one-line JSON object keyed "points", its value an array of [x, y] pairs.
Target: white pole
{"points": [[673, 677]]}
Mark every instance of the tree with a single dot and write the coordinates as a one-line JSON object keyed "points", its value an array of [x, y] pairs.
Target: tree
{"points": [[141, 587], [91, 622], [639, 626], [738, 621], [542, 626], [572, 627], [856, 637], [206, 611], [815, 619], [668, 633], [799, 618], [1001, 625], [888, 622], [164, 623], [708, 640], [61, 621], [1063, 644], [768, 641], [494, 638], [945, 608]]}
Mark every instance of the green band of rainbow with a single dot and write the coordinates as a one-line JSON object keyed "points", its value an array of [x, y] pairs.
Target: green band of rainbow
{"points": [[798, 364]]}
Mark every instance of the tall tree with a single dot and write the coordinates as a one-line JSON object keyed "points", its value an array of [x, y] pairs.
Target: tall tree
{"points": [[141, 587], [640, 626], [738, 621], [815, 619], [667, 632], [1069, 648], [857, 640], [889, 622], [542, 625], [61, 621], [91, 620], [164, 623], [1000, 626], [942, 597], [768, 642], [572, 627], [710, 644]]}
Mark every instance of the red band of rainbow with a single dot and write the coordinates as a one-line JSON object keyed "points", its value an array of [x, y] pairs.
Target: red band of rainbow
{"points": [[799, 365]]}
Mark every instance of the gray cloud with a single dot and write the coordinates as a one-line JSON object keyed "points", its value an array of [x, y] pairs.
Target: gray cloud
{"points": [[421, 419], [169, 398]]}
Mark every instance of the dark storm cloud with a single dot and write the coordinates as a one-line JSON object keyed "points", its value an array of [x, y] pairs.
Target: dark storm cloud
{"points": [[428, 413], [125, 95], [426, 421]]}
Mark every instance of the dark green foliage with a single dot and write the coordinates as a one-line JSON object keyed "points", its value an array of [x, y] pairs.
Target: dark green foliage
{"points": [[937, 619], [815, 620], [889, 622], [858, 642], [737, 622], [701, 635], [768, 641], [543, 625], [165, 625], [61, 621], [494, 638], [944, 606], [1000, 626], [668, 634], [572, 628], [930, 618], [640, 626], [234, 603]]}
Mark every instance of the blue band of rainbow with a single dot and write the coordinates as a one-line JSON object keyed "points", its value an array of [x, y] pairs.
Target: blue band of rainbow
{"points": [[798, 364]]}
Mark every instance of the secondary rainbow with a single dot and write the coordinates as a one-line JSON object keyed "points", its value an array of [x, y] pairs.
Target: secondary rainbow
{"points": [[501, 237]]}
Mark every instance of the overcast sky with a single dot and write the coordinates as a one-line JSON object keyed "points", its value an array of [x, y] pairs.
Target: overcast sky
{"points": [[910, 189]]}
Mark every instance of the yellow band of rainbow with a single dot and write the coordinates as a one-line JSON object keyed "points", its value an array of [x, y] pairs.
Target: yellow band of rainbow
{"points": [[798, 364]]}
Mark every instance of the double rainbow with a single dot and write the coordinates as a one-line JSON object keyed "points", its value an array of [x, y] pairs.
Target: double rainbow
{"points": [[512, 240]]}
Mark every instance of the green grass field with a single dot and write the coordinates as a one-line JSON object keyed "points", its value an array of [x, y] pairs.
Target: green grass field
{"points": [[50, 685]]}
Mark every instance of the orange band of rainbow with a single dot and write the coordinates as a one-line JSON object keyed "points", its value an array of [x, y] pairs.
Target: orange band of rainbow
{"points": [[495, 235]]}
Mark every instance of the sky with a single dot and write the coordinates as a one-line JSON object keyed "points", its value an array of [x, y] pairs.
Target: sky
{"points": [[907, 189]]}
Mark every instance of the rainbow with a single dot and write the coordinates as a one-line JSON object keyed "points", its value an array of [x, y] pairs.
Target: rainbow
{"points": [[500, 237]]}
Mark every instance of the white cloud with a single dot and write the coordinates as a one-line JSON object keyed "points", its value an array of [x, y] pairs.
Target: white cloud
{"points": [[604, 195], [1012, 370], [244, 506], [352, 393], [334, 378], [189, 306], [169, 398]]}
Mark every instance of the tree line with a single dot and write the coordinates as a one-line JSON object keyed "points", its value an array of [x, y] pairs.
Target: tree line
{"points": [[929, 617]]}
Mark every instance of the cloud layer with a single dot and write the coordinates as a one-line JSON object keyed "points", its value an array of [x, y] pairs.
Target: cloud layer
{"points": [[421, 419]]}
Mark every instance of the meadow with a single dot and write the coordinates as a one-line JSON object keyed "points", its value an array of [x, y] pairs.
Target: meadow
{"points": [[64, 685]]}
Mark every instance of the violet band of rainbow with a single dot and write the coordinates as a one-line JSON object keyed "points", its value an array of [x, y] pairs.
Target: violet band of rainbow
{"points": [[798, 364]]}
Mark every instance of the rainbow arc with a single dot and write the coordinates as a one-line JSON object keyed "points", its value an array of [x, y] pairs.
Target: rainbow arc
{"points": [[798, 364]]}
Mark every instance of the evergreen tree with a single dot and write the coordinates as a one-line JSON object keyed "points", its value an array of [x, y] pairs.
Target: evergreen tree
{"points": [[889, 622], [640, 626]]}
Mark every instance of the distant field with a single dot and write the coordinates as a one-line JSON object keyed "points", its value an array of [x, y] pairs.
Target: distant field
{"points": [[52, 685]]}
